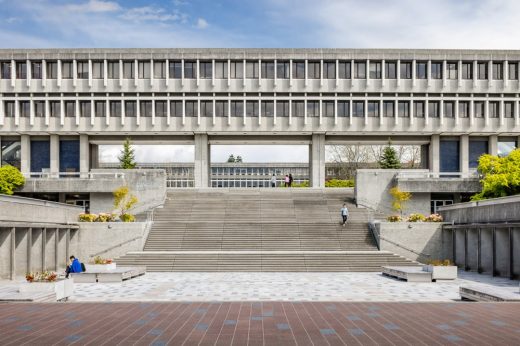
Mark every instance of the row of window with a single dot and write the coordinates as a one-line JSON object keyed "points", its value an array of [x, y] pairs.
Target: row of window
{"points": [[253, 69], [263, 108]]}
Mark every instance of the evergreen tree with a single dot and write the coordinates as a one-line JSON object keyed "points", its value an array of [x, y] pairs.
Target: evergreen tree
{"points": [[388, 159], [231, 158], [238, 159], [127, 158]]}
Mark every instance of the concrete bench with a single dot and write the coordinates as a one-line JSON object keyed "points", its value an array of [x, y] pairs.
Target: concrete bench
{"points": [[410, 274], [481, 293], [117, 275]]}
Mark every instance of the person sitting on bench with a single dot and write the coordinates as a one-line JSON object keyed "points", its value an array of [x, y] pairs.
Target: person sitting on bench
{"points": [[73, 267]]}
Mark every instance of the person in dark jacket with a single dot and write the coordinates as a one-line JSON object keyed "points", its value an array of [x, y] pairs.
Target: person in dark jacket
{"points": [[290, 180], [73, 267]]}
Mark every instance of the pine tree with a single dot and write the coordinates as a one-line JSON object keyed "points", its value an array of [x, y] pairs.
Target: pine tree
{"points": [[238, 159], [388, 159], [231, 158], [127, 158]]}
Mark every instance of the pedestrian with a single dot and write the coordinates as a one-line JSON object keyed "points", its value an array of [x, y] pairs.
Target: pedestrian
{"points": [[344, 214], [290, 180], [286, 181], [74, 266], [273, 181]]}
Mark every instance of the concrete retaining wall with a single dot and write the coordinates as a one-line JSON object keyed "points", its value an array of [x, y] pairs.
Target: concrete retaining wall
{"points": [[491, 210], [21, 209], [414, 240]]}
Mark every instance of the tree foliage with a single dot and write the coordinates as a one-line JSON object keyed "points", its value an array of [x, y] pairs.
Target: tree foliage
{"points": [[500, 175], [389, 159], [124, 201], [127, 157], [231, 158], [400, 199], [10, 179]]}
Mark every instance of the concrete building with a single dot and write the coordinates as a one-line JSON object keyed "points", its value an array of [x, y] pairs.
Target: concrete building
{"points": [[58, 105]]}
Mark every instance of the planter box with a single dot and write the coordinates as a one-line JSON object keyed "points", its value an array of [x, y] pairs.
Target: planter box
{"points": [[442, 272], [100, 267], [62, 288]]}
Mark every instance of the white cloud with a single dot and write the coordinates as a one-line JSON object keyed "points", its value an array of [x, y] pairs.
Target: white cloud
{"points": [[261, 153], [150, 153], [140, 14], [94, 6], [202, 23], [12, 20]]}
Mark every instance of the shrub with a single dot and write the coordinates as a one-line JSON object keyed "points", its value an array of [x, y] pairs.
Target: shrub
{"points": [[339, 183], [400, 199], [127, 217], [394, 218], [434, 218], [41, 277], [101, 260], [105, 217], [437, 262], [416, 217], [10, 179], [124, 201], [87, 217], [304, 184]]}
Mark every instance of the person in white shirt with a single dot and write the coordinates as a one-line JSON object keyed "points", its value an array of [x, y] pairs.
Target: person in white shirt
{"points": [[273, 181], [344, 214]]}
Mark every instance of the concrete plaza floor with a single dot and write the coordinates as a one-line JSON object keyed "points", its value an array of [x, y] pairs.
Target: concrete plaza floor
{"points": [[338, 287]]}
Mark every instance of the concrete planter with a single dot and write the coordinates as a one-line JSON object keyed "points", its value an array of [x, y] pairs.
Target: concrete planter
{"points": [[441, 272], [62, 288], [100, 267]]}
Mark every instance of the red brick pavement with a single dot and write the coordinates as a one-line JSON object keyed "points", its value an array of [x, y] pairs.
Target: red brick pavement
{"points": [[260, 323]]}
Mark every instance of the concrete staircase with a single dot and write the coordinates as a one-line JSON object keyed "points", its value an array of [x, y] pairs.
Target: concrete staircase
{"points": [[260, 230]]}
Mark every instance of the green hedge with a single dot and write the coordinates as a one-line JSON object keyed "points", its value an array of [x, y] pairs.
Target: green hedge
{"points": [[339, 183]]}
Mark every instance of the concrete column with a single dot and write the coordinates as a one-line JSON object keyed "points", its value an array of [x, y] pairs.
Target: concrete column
{"points": [[44, 245], [493, 145], [29, 249], [13, 253], [202, 159], [317, 160], [56, 248], [434, 158], [25, 153], [464, 154], [84, 155], [55, 154]]}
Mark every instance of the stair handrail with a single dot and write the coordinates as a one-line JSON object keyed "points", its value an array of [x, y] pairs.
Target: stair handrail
{"points": [[115, 246]]}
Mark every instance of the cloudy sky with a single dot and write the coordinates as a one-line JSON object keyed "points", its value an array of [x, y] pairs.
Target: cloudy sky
{"points": [[478, 24]]}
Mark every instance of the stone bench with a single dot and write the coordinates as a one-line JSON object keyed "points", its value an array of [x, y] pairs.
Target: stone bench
{"points": [[117, 275], [481, 293], [410, 274]]}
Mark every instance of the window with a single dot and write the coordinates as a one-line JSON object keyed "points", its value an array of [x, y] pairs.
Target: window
{"points": [[25, 109], [252, 69], [39, 109], [36, 70], [433, 109], [145, 108], [85, 109], [21, 70], [100, 108], [509, 109], [268, 69], [327, 108], [237, 69], [344, 70], [403, 109], [128, 70], [477, 147], [494, 109], [175, 69], [512, 70], [70, 109], [449, 109], [191, 108], [98, 69], [343, 109], [206, 69], [467, 70], [267, 108], [298, 108], [160, 109], [329, 70], [358, 109], [252, 108], [159, 69], [390, 69], [298, 71], [506, 146], [482, 70], [406, 70], [375, 70], [436, 70], [52, 70], [463, 109], [418, 109], [131, 109], [190, 69], [206, 108], [113, 70], [221, 108], [9, 109], [282, 70], [314, 70], [55, 108], [313, 108], [360, 70], [373, 109], [115, 109], [6, 70], [221, 70], [479, 109], [82, 68], [388, 109], [175, 108], [237, 108], [282, 108], [421, 70], [144, 69], [497, 71], [67, 71], [452, 70]]}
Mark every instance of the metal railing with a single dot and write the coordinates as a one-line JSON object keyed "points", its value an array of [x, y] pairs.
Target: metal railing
{"points": [[82, 175], [437, 175]]}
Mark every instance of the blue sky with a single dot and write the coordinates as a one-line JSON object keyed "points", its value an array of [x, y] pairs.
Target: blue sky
{"points": [[260, 23]]}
